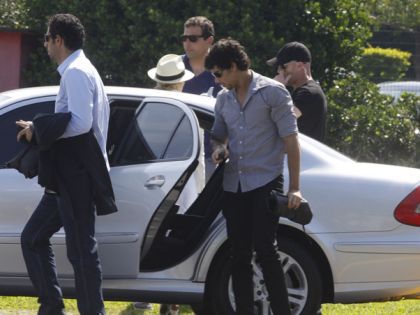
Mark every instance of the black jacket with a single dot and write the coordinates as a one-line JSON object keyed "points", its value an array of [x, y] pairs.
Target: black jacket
{"points": [[52, 159]]}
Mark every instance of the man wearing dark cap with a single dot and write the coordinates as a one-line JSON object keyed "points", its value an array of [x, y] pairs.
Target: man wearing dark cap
{"points": [[293, 63]]}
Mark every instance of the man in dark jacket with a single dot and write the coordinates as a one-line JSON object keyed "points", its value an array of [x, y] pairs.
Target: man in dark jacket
{"points": [[69, 166]]}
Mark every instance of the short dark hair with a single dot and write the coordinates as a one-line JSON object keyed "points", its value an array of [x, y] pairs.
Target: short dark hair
{"points": [[207, 27], [224, 53], [69, 28]]}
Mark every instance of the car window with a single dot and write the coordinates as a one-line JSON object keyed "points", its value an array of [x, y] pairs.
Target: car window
{"points": [[9, 146], [181, 144], [121, 115], [160, 132]]}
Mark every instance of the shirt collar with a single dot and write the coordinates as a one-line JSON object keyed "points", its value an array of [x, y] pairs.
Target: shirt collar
{"points": [[260, 82], [253, 87], [257, 83], [70, 58]]}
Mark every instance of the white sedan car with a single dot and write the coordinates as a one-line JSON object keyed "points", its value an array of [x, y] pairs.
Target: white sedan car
{"points": [[362, 244], [395, 89]]}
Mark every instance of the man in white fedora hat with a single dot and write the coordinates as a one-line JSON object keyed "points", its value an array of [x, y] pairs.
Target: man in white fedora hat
{"points": [[170, 73]]}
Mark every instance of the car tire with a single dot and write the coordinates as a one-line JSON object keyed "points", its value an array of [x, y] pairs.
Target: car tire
{"points": [[303, 280], [303, 277]]}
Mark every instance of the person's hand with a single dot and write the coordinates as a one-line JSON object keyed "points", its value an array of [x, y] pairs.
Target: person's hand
{"points": [[26, 130], [281, 78], [219, 154], [294, 198]]}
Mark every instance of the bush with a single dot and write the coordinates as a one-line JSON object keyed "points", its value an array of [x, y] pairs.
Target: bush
{"points": [[367, 126], [125, 38], [13, 14], [384, 64]]}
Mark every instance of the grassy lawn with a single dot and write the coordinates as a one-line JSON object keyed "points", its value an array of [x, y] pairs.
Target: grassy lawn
{"points": [[28, 306]]}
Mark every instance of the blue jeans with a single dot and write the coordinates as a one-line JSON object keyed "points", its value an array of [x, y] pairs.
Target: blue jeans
{"points": [[250, 226], [78, 219]]}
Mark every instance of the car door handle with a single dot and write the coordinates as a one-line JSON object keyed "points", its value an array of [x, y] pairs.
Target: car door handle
{"points": [[155, 182]]}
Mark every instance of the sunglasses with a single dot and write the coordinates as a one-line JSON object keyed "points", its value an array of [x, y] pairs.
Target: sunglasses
{"points": [[218, 74], [191, 38], [47, 37]]}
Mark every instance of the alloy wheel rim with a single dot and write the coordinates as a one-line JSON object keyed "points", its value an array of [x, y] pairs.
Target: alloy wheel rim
{"points": [[296, 283]]}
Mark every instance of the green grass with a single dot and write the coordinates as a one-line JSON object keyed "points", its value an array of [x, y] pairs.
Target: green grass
{"points": [[11, 305], [28, 306]]}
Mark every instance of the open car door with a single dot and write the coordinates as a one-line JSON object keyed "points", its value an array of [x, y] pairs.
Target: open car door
{"points": [[158, 152]]}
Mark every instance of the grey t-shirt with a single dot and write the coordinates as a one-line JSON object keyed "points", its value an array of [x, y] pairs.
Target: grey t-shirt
{"points": [[254, 132]]}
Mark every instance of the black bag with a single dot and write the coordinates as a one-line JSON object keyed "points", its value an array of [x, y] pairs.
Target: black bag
{"points": [[277, 204]]}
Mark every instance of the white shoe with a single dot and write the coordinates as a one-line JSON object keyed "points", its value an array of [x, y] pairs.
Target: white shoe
{"points": [[169, 309], [174, 309]]}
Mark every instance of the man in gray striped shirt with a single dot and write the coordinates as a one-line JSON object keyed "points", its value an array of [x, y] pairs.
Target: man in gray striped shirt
{"points": [[254, 126]]}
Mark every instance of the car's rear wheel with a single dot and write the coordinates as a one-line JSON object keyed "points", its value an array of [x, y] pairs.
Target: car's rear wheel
{"points": [[303, 280]]}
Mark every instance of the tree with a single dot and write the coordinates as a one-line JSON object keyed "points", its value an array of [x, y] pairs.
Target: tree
{"points": [[367, 126], [404, 14], [12, 14], [127, 37]]}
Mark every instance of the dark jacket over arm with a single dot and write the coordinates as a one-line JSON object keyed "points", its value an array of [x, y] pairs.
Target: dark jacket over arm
{"points": [[83, 150]]}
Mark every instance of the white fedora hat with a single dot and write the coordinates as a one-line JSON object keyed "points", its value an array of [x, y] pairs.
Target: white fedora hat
{"points": [[170, 69]]}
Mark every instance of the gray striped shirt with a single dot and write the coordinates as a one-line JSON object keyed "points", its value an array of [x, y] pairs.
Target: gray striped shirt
{"points": [[254, 132]]}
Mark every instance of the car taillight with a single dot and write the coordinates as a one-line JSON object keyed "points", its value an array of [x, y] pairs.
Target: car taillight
{"points": [[408, 210]]}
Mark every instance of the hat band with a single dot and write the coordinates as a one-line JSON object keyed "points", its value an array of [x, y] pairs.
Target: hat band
{"points": [[170, 77]]}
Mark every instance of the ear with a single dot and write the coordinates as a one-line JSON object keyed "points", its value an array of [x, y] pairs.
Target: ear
{"points": [[233, 66], [59, 40], [210, 40]]}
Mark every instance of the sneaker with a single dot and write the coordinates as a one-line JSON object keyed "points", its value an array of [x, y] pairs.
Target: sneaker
{"points": [[174, 309], [144, 306], [169, 309]]}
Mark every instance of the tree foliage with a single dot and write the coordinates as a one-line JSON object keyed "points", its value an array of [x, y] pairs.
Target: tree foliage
{"points": [[13, 14], [403, 13], [367, 126], [127, 37], [384, 64]]}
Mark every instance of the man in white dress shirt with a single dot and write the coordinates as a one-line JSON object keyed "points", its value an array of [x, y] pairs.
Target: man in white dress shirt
{"points": [[72, 206]]}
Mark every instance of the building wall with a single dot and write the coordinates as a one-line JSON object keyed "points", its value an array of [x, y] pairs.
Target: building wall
{"points": [[10, 57]]}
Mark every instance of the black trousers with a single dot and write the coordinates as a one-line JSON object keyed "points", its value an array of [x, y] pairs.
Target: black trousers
{"points": [[250, 227], [74, 210]]}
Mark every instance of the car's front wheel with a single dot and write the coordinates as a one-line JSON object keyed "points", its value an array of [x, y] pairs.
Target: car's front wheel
{"points": [[303, 281]]}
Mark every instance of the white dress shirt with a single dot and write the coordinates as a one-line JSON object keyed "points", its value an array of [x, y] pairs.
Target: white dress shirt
{"points": [[82, 93]]}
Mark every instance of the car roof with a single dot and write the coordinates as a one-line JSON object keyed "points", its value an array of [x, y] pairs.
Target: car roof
{"points": [[17, 95]]}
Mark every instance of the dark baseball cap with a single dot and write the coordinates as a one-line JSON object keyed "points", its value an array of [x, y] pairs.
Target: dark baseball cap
{"points": [[293, 51]]}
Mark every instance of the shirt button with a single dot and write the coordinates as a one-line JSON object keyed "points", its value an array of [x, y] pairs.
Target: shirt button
{"points": [[240, 172], [241, 127], [240, 142], [240, 157], [242, 113]]}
